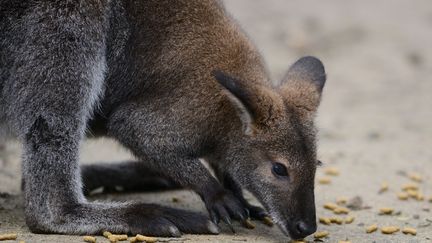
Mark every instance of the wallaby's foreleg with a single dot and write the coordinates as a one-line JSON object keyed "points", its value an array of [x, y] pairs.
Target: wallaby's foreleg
{"points": [[128, 176], [139, 127], [51, 90]]}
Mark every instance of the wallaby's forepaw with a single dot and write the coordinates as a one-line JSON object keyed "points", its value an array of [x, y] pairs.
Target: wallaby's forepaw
{"points": [[224, 206], [169, 222]]}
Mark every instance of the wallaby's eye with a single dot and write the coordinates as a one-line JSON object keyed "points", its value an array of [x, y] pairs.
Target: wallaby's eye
{"points": [[279, 169]]}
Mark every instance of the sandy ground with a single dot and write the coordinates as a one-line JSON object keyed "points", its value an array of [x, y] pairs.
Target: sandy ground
{"points": [[375, 120]]}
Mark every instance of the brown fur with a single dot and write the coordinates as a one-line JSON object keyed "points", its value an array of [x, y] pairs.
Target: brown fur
{"points": [[171, 110]]}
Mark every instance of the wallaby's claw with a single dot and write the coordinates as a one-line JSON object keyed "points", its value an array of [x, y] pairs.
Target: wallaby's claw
{"points": [[225, 206], [257, 212], [227, 221]]}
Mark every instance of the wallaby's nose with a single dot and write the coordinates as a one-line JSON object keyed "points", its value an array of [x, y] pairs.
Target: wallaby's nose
{"points": [[304, 229]]}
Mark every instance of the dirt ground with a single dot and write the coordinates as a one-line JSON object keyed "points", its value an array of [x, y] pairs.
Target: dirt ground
{"points": [[375, 120]]}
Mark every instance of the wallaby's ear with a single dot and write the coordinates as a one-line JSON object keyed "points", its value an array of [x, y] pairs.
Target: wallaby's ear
{"points": [[259, 105], [304, 82]]}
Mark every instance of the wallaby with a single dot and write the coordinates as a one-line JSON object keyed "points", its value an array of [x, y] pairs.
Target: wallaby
{"points": [[175, 81]]}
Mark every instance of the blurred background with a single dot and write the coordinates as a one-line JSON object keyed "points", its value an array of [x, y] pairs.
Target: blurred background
{"points": [[375, 120]]}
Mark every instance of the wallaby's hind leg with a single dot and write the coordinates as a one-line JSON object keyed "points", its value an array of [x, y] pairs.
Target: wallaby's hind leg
{"points": [[126, 176], [52, 87]]}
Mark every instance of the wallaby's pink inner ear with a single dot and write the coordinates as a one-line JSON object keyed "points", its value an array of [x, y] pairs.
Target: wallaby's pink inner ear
{"points": [[307, 69]]}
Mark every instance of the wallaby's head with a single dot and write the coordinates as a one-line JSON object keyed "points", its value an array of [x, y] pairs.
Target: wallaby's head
{"points": [[275, 157]]}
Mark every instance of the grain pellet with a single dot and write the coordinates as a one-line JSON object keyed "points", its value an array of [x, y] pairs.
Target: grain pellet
{"points": [[330, 206], [325, 220], [371, 228], [349, 219], [8, 237], [147, 239], [402, 196], [106, 234], [410, 186], [324, 180], [409, 230], [412, 193], [415, 177], [430, 199], [384, 187], [341, 200], [248, 224], [132, 240], [268, 221], [389, 229], [115, 238], [336, 220], [321, 234], [386, 210], [90, 239], [341, 210], [419, 196], [332, 171]]}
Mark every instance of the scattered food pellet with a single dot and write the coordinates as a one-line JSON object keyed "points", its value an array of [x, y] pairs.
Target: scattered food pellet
{"points": [[321, 234], [371, 228], [268, 221], [341, 210], [324, 180], [132, 240], [389, 229], [341, 200], [384, 187], [90, 239], [115, 238], [430, 199], [415, 177], [106, 234], [412, 193], [333, 171], [297, 241], [386, 210], [248, 224], [147, 239], [409, 230], [402, 196], [419, 196], [336, 220], [325, 220], [349, 219], [330, 206], [410, 186], [8, 237]]}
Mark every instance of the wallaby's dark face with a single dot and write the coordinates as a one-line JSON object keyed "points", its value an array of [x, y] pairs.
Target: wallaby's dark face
{"points": [[276, 157]]}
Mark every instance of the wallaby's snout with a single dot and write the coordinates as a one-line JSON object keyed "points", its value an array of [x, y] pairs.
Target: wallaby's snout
{"points": [[276, 156]]}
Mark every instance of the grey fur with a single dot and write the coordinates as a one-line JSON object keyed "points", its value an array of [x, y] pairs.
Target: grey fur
{"points": [[141, 72]]}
